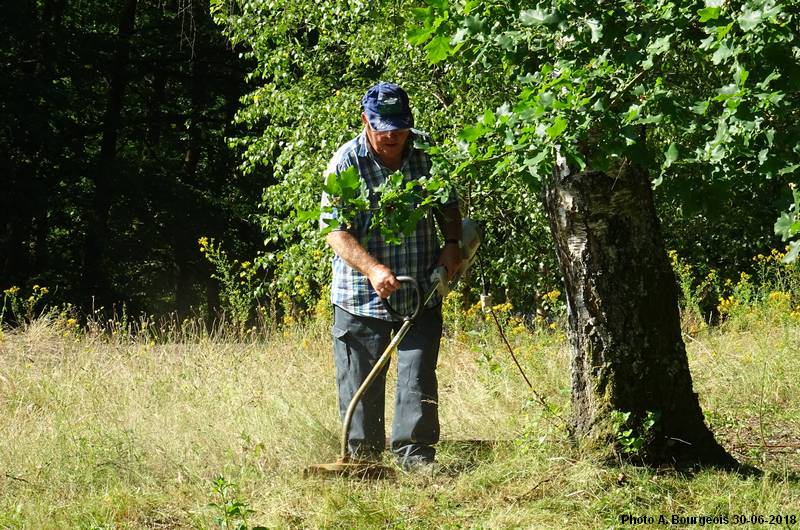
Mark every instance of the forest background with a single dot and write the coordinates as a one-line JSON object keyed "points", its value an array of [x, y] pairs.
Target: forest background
{"points": [[157, 160]]}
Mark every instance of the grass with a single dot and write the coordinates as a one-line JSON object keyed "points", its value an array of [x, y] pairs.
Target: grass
{"points": [[100, 431]]}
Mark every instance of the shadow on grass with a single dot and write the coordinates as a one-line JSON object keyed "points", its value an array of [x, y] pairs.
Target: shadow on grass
{"points": [[463, 456]]}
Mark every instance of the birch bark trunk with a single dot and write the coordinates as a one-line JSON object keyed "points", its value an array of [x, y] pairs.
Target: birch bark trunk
{"points": [[624, 328]]}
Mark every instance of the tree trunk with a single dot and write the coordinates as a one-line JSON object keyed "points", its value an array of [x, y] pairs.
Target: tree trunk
{"points": [[95, 279], [628, 358], [185, 250]]}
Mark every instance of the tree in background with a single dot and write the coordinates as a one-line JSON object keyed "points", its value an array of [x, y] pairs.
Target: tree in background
{"points": [[692, 99], [114, 159], [314, 62], [476, 59], [608, 99]]}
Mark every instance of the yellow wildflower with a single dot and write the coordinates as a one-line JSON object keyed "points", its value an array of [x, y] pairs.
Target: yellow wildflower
{"points": [[779, 298], [552, 296], [502, 308], [726, 305], [673, 256]]}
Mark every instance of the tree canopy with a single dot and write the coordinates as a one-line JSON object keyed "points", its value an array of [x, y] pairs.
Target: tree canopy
{"points": [[700, 94]]}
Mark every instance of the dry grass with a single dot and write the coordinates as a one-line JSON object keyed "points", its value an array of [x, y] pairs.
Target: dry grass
{"points": [[108, 432]]}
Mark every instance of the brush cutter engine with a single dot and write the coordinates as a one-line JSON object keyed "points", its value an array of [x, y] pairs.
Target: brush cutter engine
{"points": [[470, 241]]}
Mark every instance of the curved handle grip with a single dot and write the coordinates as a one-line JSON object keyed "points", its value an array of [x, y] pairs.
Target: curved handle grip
{"points": [[417, 309]]}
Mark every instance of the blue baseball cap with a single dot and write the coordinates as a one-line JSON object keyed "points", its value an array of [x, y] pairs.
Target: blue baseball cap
{"points": [[386, 107]]}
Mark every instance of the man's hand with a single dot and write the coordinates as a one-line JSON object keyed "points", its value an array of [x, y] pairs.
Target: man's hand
{"points": [[451, 259], [383, 280], [350, 250]]}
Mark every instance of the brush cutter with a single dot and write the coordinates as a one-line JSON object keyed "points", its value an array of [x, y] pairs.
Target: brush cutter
{"points": [[346, 465]]}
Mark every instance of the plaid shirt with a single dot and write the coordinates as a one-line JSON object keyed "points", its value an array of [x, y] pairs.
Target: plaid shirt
{"points": [[415, 256]]}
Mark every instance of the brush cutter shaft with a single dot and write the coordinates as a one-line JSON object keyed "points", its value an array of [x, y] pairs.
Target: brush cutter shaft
{"points": [[373, 374], [383, 360]]}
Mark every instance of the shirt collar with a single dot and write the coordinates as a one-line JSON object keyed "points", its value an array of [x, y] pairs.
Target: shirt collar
{"points": [[363, 148]]}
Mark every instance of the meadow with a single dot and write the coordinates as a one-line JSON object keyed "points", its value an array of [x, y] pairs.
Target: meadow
{"points": [[170, 425]]}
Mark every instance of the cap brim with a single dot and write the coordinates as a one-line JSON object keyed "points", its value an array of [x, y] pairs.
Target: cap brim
{"points": [[389, 123]]}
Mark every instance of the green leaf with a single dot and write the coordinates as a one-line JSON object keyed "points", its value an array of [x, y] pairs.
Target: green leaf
{"points": [[488, 118], [741, 75], [538, 16], [307, 215], [349, 179], [750, 18], [474, 24], [422, 13], [328, 223], [533, 163], [657, 182], [721, 53], [700, 107], [783, 226], [508, 40], [652, 118], [596, 28], [417, 36], [709, 13], [459, 36], [470, 134], [218, 6], [441, 5], [331, 185], [558, 127], [671, 155], [438, 49], [633, 112], [794, 251], [660, 45]]}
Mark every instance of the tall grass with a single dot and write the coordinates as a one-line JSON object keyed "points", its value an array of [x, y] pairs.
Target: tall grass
{"points": [[105, 427]]}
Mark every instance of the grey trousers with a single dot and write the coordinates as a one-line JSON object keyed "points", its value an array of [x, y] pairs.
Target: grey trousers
{"points": [[358, 342]]}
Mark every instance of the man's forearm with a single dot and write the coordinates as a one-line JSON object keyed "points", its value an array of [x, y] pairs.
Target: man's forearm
{"points": [[354, 254], [351, 251]]}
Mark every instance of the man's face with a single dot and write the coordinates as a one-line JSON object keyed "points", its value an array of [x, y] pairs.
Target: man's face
{"points": [[387, 145]]}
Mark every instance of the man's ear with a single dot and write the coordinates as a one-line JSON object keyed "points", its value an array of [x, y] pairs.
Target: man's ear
{"points": [[364, 118]]}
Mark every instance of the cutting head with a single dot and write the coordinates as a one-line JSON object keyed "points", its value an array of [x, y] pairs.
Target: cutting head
{"points": [[350, 467]]}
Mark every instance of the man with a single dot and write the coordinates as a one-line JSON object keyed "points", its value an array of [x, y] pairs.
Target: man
{"points": [[364, 271]]}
